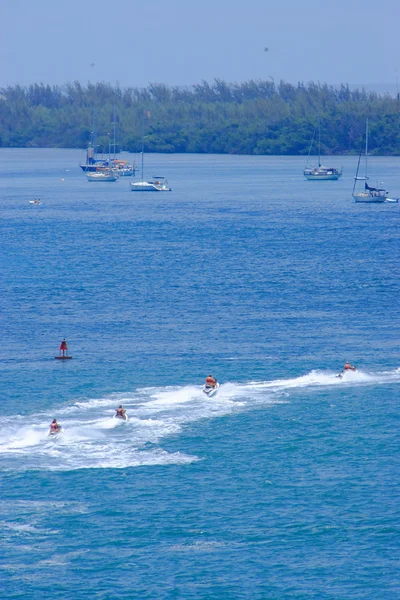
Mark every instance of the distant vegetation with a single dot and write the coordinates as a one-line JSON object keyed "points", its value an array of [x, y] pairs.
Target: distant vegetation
{"points": [[255, 117]]}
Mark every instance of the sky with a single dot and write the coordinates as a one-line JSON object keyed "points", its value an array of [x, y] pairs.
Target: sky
{"points": [[181, 42]]}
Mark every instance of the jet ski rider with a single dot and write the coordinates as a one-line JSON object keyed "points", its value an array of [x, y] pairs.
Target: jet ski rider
{"points": [[120, 412], [348, 367], [211, 381], [54, 426]]}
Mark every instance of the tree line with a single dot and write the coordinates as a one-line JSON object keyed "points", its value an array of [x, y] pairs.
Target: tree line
{"points": [[254, 117]]}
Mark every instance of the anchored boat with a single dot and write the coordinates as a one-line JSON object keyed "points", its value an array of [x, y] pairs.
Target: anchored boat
{"points": [[368, 194], [320, 173]]}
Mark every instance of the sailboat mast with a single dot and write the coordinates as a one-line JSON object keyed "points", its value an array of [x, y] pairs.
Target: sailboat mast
{"points": [[114, 124], [142, 145], [319, 142], [366, 150], [358, 168]]}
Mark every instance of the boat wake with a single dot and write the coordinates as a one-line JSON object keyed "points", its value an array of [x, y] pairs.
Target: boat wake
{"points": [[92, 439]]}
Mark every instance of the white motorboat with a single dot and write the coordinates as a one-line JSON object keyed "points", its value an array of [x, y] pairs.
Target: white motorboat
{"points": [[320, 173], [104, 175], [157, 184], [35, 201], [209, 390], [369, 194]]}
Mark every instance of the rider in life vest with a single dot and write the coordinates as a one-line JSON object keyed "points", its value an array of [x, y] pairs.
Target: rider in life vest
{"points": [[348, 367], [120, 412], [210, 381], [54, 426]]}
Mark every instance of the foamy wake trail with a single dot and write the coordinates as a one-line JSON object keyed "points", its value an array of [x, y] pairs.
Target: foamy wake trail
{"points": [[330, 378], [91, 438]]}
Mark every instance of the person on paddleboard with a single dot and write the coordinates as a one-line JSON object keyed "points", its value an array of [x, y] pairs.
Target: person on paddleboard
{"points": [[211, 381], [54, 426], [120, 412]]}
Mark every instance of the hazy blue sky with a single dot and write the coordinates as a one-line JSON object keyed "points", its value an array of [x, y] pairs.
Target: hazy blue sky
{"points": [[181, 42]]}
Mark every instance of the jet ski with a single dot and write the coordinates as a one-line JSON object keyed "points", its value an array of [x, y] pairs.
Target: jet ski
{"points": [[120, 417], [209, 390], [340, 375], [55, 433]]}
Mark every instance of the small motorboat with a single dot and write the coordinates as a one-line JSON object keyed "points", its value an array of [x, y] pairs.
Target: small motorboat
{"points": [[104, 175], [209, 390], [157, 184], [35, 201]]}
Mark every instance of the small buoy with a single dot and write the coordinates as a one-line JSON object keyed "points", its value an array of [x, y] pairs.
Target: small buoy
{"points": [[63, 351]]}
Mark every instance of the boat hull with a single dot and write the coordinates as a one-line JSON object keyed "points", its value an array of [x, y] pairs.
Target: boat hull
{"points": [[367, 199], [333, 177], [146, 186], [101, 177]]}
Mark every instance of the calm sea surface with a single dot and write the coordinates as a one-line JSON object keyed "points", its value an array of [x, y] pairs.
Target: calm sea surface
{"points": [[283, 486]]}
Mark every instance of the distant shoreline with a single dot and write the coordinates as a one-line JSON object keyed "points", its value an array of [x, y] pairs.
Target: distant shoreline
{"points": [[249, 118]]}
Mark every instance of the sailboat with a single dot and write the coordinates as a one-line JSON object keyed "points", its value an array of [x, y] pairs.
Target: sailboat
{"points": [[121, 167], [157, 184], [320, 173], [94, 164], [368, 194]]}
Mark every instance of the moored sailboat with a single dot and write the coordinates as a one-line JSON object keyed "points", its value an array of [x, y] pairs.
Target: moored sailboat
{"points": [[320, 173], [157, 184], [368, 194]]}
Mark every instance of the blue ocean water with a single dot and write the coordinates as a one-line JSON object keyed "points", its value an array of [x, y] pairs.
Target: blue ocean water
{"points": [[285, 484]]}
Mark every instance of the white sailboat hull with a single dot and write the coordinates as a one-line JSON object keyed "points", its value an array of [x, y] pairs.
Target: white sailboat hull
{"points": [[322, 176], [368, 195], [368, 198]]}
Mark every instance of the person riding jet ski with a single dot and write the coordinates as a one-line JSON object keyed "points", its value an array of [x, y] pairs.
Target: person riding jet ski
{"points": [[348, 367], [211, 382], [54, 427], [120, 412]]}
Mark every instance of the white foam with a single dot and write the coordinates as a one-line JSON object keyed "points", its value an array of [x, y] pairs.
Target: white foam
{"points": [[91, 438], [327, 378], [174, 396]]}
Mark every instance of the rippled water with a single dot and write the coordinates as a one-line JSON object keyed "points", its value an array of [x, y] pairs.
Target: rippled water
{"points": [[285, 484]]}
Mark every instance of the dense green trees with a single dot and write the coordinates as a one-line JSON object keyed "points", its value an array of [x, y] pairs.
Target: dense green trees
{"points": [[255, 117]]}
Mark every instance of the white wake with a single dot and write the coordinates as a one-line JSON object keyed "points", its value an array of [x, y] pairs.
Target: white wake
{"points": [[92, 439]]}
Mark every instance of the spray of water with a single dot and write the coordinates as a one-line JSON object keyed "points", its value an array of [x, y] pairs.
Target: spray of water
{"points": [[91, 438]]}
